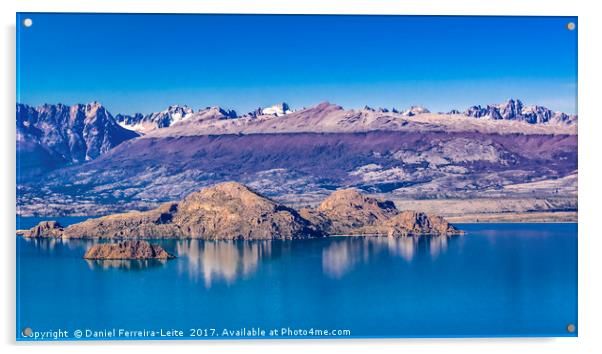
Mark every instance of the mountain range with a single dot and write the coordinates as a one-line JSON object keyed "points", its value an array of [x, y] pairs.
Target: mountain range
{"points": [[52, 136], [80, 160], [334, 117]]}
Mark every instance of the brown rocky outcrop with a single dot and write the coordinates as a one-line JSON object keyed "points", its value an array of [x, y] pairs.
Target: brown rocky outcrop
{"points": [[348, 212], [232, 211], [44, 229], [154, 223], [127, 250], [418, 223]]}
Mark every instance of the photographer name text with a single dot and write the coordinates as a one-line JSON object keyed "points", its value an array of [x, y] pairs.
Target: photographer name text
{"points": [[174, 333]]}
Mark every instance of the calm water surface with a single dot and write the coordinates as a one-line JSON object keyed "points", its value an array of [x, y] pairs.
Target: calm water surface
{"points": [[498, 280]]}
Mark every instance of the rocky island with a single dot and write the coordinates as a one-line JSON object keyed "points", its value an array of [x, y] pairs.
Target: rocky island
{"points": [[44, 229], [230, 210], [130, 250]]}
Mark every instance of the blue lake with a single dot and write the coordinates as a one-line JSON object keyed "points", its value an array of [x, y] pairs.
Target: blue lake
{"points": [[497, 280]]}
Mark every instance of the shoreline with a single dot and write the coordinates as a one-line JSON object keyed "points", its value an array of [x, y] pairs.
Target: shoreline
{"points": [[551, 217], [493, 218]]}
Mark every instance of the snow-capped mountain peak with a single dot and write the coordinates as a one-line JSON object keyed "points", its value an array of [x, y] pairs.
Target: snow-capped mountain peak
{"points": [[278, 109], [163, 119], [222, 113], [415, 110], [177, 113]]}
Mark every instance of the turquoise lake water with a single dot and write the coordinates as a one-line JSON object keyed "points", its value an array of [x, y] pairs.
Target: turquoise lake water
{"points": [[497, 280]]}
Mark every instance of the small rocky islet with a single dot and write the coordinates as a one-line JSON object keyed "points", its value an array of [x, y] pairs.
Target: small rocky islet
{"points": [[231, 211], [130, 250]]}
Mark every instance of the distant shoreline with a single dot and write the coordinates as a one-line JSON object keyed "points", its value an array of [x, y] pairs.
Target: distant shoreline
{"points": [[499, 218], [516, 218]]}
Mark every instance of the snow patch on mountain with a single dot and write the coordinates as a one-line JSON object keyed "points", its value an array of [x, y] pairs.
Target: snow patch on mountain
{"points": [[414, 110], [173, 115], [277, 110]]}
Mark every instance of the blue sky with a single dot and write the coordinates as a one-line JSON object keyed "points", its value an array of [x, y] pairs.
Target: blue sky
{"points": [[143, 63]]}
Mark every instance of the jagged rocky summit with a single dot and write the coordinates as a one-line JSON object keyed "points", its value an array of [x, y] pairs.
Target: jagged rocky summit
{"points": [[516, 110], [230, 210], [127, 250], [174, 114], [50, 136]]}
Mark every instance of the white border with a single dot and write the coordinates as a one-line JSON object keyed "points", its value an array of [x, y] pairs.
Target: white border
{"points": [[590, 126]]}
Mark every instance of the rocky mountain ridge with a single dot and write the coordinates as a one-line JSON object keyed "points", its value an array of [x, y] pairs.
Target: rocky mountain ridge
{"points": [[516, 110], [172, 115], [175, 114], [60, 134], [56, 135], [232, 211], [331, 118], [512, 110]]}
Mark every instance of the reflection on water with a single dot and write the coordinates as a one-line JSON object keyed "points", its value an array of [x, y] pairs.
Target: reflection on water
{"points": [[43, 244], [77, 248], [213, 261], [404, 247], [125, 264], [344, 254], [438, 245], [49, 244], [225, 260], [340, 257]]}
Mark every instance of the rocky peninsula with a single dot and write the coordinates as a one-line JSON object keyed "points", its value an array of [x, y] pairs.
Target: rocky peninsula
{"points": [[348, 212], [231, 210]]}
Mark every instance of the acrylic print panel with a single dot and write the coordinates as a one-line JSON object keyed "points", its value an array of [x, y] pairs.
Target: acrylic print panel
{"points": [[253, 176]]}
